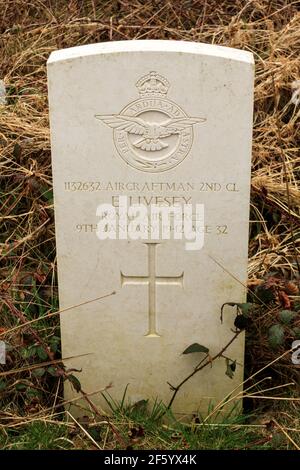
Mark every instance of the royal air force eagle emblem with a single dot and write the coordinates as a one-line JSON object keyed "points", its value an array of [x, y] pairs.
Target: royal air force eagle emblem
{"points": [[152, 133]]}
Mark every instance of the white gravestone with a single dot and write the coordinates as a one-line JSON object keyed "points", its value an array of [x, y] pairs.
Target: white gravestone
{"points": [[164, 123]]}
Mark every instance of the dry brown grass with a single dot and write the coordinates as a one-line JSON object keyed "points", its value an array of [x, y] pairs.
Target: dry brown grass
{"points": [[29, 31]]}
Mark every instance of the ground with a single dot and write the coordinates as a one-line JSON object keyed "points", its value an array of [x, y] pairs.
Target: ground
{"points": [[31, 415]]}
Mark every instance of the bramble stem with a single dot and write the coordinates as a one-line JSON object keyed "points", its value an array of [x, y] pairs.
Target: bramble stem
{"points": [[201, 366]]}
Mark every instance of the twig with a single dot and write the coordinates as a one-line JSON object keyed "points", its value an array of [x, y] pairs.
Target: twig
{"points": [[53, 362], [200, 367], [83, 430], [286, 434], [58, 312], [41, 414]]}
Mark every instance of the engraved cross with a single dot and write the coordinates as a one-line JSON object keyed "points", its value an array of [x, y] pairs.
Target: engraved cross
{"points": [[152, 280]]}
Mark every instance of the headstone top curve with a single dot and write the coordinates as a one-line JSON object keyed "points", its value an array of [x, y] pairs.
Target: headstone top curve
{"points": [[151, 45]]}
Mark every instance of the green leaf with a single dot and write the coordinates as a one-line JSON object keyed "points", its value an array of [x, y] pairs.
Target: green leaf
{"points": [[26, 353], [38, 372], [196, 347], [2, 385], [54, 343], [75, 382], [296, 332], [47, 194], [55, 339], [42, 353], [32, 392], [245, 308], [276, 335], [286, 316], [230, 368], [52, 371], [21, 387], [95, 433]]}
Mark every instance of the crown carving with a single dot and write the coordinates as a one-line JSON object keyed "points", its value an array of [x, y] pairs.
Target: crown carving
{"points": [[153, 84]]}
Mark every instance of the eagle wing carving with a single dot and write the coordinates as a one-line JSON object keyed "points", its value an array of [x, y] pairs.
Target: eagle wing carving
{"points": [[176, 125], [152, 133], [133, 125]]}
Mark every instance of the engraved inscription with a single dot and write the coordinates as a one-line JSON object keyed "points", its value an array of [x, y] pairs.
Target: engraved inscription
{"points": [[152, 280], [207, 229], [91, 186], [152, 134]]}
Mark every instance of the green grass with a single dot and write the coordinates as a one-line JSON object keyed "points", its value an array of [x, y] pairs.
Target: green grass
{"points": [[140, 431], [39, 435], [144, 426]]}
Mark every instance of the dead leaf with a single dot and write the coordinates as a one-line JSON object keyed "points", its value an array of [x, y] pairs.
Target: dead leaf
{"points": [[284, 299]]}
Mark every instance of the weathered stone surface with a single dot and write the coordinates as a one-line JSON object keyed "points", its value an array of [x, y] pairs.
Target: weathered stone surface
{"points": [[161, 122]]}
